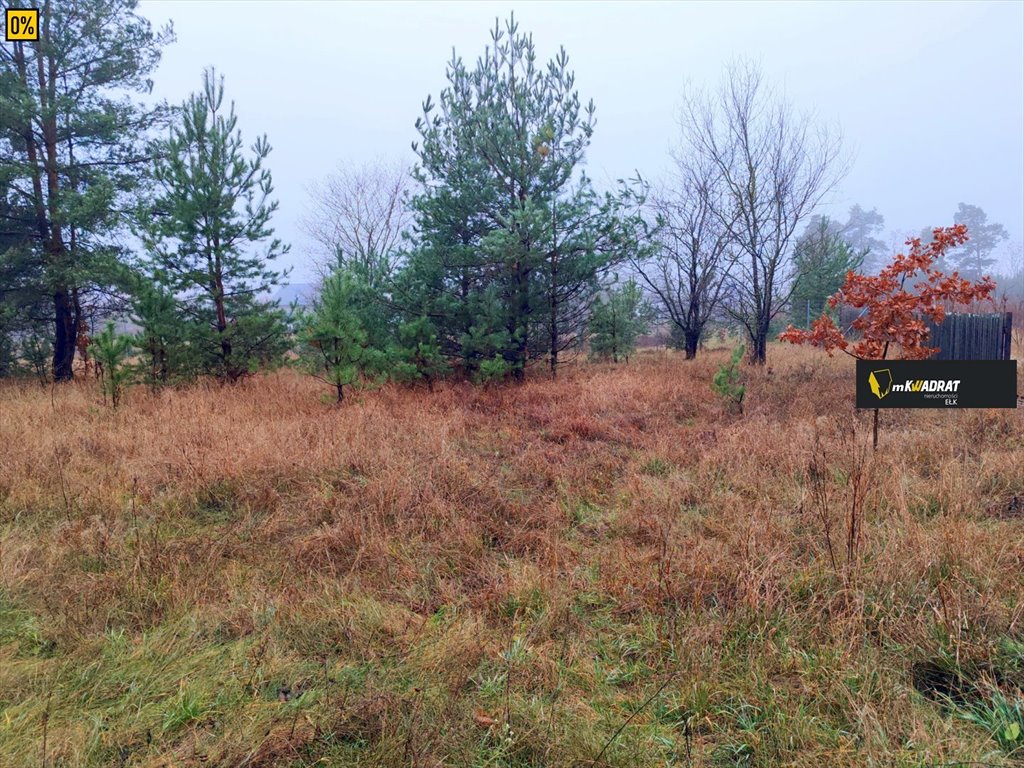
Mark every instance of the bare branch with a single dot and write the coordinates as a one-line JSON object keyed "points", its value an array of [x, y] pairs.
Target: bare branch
{"points": [[359, 214], [774, 168]]}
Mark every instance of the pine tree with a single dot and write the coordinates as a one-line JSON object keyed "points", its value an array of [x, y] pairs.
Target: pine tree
{"points": [[71, 155], [209, 235], [334, 336], [727, 382], [859, 232], [111, 349], [821, 260], [20, 281], [417, 354], [163, 336], [37, 351], [512, 236], [370, 299], [976, 257], [617, 320]]}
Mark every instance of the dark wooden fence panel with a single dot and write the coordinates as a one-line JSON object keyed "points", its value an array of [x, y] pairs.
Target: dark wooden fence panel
{"points": [[972, 336]]}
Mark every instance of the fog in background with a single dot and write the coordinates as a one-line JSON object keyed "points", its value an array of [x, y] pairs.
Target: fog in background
{"points": [[929, 96]]}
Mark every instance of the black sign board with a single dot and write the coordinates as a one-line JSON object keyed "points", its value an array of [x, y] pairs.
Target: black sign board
{"points": [[936, 383]]}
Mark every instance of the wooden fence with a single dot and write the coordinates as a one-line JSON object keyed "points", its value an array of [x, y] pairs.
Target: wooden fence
{"points": [[972, 336]]}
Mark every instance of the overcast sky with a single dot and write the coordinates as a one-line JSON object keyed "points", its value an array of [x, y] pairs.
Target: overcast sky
{"points": [[929, 95]]}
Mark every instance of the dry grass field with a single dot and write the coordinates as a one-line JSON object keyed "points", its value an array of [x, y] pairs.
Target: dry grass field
{"points": [[608, 569]]}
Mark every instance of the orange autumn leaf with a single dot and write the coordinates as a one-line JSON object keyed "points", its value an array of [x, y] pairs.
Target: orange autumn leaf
{"points": [[894, 301], [482, 718]]}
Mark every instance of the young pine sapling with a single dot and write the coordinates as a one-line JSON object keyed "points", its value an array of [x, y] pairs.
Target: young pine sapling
{"points": [[334, 336], [727, 382], [111, 352]]}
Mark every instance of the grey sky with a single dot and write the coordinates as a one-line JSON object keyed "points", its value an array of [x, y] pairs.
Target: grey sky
{"points": [[929, 95]]}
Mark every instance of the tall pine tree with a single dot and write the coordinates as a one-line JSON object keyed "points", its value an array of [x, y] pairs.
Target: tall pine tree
{"points": [[512, 236], [209, 237], [70, 152]]}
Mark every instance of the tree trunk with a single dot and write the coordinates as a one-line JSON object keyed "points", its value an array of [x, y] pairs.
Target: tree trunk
{"points": [[64, 336], [553, 360], [691, 343], [522, 280], [217, 289], [225, 350], [519, 372], [874, 426], [554, 305], [759, 351], [65, 331], [65, 321]]}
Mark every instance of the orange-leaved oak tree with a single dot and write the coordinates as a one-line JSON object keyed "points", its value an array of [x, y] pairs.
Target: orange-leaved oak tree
{"points": [[895, 303]]}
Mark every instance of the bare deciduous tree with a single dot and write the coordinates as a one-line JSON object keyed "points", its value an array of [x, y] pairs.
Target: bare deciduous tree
{"points": [[689, 271], [358, 215], [775, 167]]}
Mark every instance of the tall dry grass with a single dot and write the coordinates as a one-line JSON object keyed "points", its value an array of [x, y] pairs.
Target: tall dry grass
{"points": [[508, 575]]}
